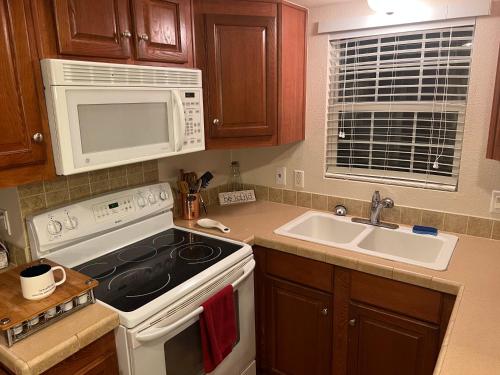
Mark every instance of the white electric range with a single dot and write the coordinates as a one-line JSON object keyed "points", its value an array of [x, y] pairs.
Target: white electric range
{"points": [[154, 274]]}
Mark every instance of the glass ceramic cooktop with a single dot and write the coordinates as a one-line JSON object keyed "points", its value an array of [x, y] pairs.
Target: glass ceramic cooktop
{"points": [[137, 274]]}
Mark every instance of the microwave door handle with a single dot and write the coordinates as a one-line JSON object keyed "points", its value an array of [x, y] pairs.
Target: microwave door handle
{"points": [[152, 333], [179, 120]]}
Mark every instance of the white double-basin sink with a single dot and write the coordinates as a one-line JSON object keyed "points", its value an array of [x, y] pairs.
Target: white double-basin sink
{"points": [[400, 244]]}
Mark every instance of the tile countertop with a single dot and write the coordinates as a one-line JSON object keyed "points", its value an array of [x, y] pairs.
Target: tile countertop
{"points": [[57, 342], [472, 341]]}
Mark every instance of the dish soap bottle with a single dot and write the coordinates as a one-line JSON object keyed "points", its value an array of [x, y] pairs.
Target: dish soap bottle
{"points": [[235, 183]]}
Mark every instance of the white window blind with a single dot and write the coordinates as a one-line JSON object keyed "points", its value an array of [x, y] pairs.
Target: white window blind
{"points": [[396, 107]]}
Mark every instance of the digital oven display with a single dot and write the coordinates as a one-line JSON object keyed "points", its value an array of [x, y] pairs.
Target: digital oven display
{"points": [[189, 94], [113, 205]]}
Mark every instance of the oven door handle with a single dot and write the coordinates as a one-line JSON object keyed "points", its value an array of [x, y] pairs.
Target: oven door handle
{"points": [[179, 120], [152, 333]]}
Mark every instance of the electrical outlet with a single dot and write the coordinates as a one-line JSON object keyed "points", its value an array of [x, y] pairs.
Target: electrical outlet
{"points": [[281, 176], [4, 221], [495, 201], [298, 178]]}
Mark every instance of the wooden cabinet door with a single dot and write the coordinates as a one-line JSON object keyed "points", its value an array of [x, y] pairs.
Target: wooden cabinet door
{"points": [[381, 342], [242, 76], [20, 116], [95, 28], [162, 30], [493, 150], [299, 330]]}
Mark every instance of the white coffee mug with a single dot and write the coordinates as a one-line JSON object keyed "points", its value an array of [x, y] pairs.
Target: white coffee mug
{"points": [[38, 282]]}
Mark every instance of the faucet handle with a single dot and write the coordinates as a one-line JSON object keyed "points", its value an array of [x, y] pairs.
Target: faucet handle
{"points": [[375, 198]]}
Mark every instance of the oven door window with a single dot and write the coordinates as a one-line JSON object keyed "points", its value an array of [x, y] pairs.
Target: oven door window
{"points": [[108, 125], [187, 345]]}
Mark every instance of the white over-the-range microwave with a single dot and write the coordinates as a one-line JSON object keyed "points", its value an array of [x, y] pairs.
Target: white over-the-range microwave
{"points": [[103, 115]]}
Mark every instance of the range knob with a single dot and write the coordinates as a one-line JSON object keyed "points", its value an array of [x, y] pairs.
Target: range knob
{"points": [[71, 222], [54, 227], [163, 195], [151, 198], [141, 202]]}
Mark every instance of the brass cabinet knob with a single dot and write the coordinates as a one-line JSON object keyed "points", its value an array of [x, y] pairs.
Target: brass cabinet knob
{"points": [[126, 34], [144, 37], [324, 311], [216, 121], [352, 322], [37, 137]]}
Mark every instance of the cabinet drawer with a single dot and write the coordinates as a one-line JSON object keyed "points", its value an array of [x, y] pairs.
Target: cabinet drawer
{"points": [[300, 270], [411, 300]]}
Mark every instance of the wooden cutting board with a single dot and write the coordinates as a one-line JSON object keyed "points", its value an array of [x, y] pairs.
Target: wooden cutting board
{"points": [[18, 309]]}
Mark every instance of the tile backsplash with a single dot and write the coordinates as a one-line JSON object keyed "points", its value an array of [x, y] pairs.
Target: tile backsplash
{"points": [[61, 190]]}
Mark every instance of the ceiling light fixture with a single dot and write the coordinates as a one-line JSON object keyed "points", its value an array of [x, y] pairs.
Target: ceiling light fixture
{"points": [[384, 6]]}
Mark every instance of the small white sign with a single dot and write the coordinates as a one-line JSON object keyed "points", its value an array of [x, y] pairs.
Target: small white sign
{"points": [[235, 197]]}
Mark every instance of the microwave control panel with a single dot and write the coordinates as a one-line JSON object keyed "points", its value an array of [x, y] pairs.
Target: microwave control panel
{"points": [[193, 112]]}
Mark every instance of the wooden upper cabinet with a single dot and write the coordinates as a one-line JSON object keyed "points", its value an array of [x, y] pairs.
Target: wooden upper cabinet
{"points": [[381, 342], [162, 30], [253, 58], [20, 115], [493, 151], [241, 74], [97, 28]]}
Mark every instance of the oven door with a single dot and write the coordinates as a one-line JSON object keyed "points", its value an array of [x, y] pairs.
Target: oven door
{"points": [[174, 348], [101, 127]]}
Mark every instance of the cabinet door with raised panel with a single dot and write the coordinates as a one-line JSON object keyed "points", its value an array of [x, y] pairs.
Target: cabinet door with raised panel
{"points": [[94, 28], [21, 135], [162, 30], [241, 74], [382, 342], [299, 330]]}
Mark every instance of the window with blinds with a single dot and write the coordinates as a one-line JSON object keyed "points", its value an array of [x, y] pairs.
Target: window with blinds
{"points": [[396, 107]]}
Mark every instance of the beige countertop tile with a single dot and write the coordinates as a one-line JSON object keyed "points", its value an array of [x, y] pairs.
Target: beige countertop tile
{"points": [[472, 341], [57, 342]]}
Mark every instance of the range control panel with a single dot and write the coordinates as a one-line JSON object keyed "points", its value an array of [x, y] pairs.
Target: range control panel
{"points": [[76, 221], [193, 112]]}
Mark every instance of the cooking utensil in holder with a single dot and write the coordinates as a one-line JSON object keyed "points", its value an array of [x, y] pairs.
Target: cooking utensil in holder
{"points": [[190, 206]]}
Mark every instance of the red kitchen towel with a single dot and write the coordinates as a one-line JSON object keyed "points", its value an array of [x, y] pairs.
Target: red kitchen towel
{"points": [[218, 328]]}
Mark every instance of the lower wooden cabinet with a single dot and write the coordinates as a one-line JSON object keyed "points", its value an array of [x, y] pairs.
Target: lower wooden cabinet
{"points": [[381, 342], [314, 318], [493, 150], [98, 358], [299, 329]]}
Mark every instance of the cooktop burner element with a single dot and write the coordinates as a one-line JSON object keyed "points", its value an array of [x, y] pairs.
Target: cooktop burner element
{"points": [[137, 254], [197, 253], [99, 270], [132, 276]]}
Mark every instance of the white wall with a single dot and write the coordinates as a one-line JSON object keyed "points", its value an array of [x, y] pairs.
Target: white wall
{"points": [[10, 202], [478, 176]]}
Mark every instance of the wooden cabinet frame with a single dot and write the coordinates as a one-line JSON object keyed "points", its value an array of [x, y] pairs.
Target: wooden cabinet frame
{"points": [[493, 150]]}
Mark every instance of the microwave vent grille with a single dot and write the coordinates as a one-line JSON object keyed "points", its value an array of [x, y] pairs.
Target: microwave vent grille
{"points": [[86, 74]]}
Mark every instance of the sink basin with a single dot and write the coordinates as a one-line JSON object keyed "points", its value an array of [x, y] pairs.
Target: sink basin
{"points": [[322, 228], [400, 244]]}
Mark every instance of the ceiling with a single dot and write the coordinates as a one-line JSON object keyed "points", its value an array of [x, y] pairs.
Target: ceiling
{"points": [[317, 3]]}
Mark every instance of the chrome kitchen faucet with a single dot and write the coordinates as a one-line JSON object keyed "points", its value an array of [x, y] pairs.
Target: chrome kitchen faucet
{"points": [[376, 209]]}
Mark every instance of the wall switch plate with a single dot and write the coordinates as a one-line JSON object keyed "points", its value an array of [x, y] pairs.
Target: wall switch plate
{"points": [[495, 201], [281, 176], [4, 221], [298, 178]]}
